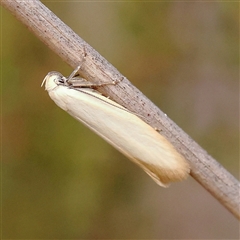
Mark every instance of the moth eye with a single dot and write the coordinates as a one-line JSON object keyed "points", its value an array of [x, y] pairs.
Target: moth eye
{"points": [[59, 80]]}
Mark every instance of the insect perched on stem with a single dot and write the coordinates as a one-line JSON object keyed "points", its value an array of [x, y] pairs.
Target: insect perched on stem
{"points": [[118, 126]]}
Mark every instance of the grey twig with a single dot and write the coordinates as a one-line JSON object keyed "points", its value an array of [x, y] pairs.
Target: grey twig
{"points": [[71, 48]]}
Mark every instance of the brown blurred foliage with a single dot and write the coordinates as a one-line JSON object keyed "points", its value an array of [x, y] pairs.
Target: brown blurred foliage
{"points": [[59, 180]]}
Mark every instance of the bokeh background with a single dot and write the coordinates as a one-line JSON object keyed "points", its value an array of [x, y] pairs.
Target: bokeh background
{"points": [[60, 180]]}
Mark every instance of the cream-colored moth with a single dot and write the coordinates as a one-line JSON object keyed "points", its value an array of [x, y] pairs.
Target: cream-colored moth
{"points": [[119, 127]]}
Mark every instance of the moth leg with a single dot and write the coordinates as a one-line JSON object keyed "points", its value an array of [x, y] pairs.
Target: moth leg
{"points": [[113, 82], [73, 74], [75, 81], [81, 83]]}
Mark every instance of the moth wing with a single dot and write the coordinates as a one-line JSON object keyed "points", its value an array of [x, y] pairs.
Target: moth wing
{"points": [[125, 131]]}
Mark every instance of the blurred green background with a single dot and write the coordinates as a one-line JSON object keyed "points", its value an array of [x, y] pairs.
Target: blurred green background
{"points": [[60, 180]]}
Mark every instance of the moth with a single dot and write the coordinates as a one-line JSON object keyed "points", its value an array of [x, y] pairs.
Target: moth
{"points": [[124, 130]]}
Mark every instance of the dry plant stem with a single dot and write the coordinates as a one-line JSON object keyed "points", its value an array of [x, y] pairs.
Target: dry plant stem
{"points": [[71, 48]]}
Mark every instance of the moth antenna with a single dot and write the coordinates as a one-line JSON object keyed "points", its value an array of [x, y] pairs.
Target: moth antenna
{"points": [[44, 80]]}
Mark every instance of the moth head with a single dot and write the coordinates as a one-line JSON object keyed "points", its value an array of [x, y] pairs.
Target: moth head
{"points": [[52, 80]]}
